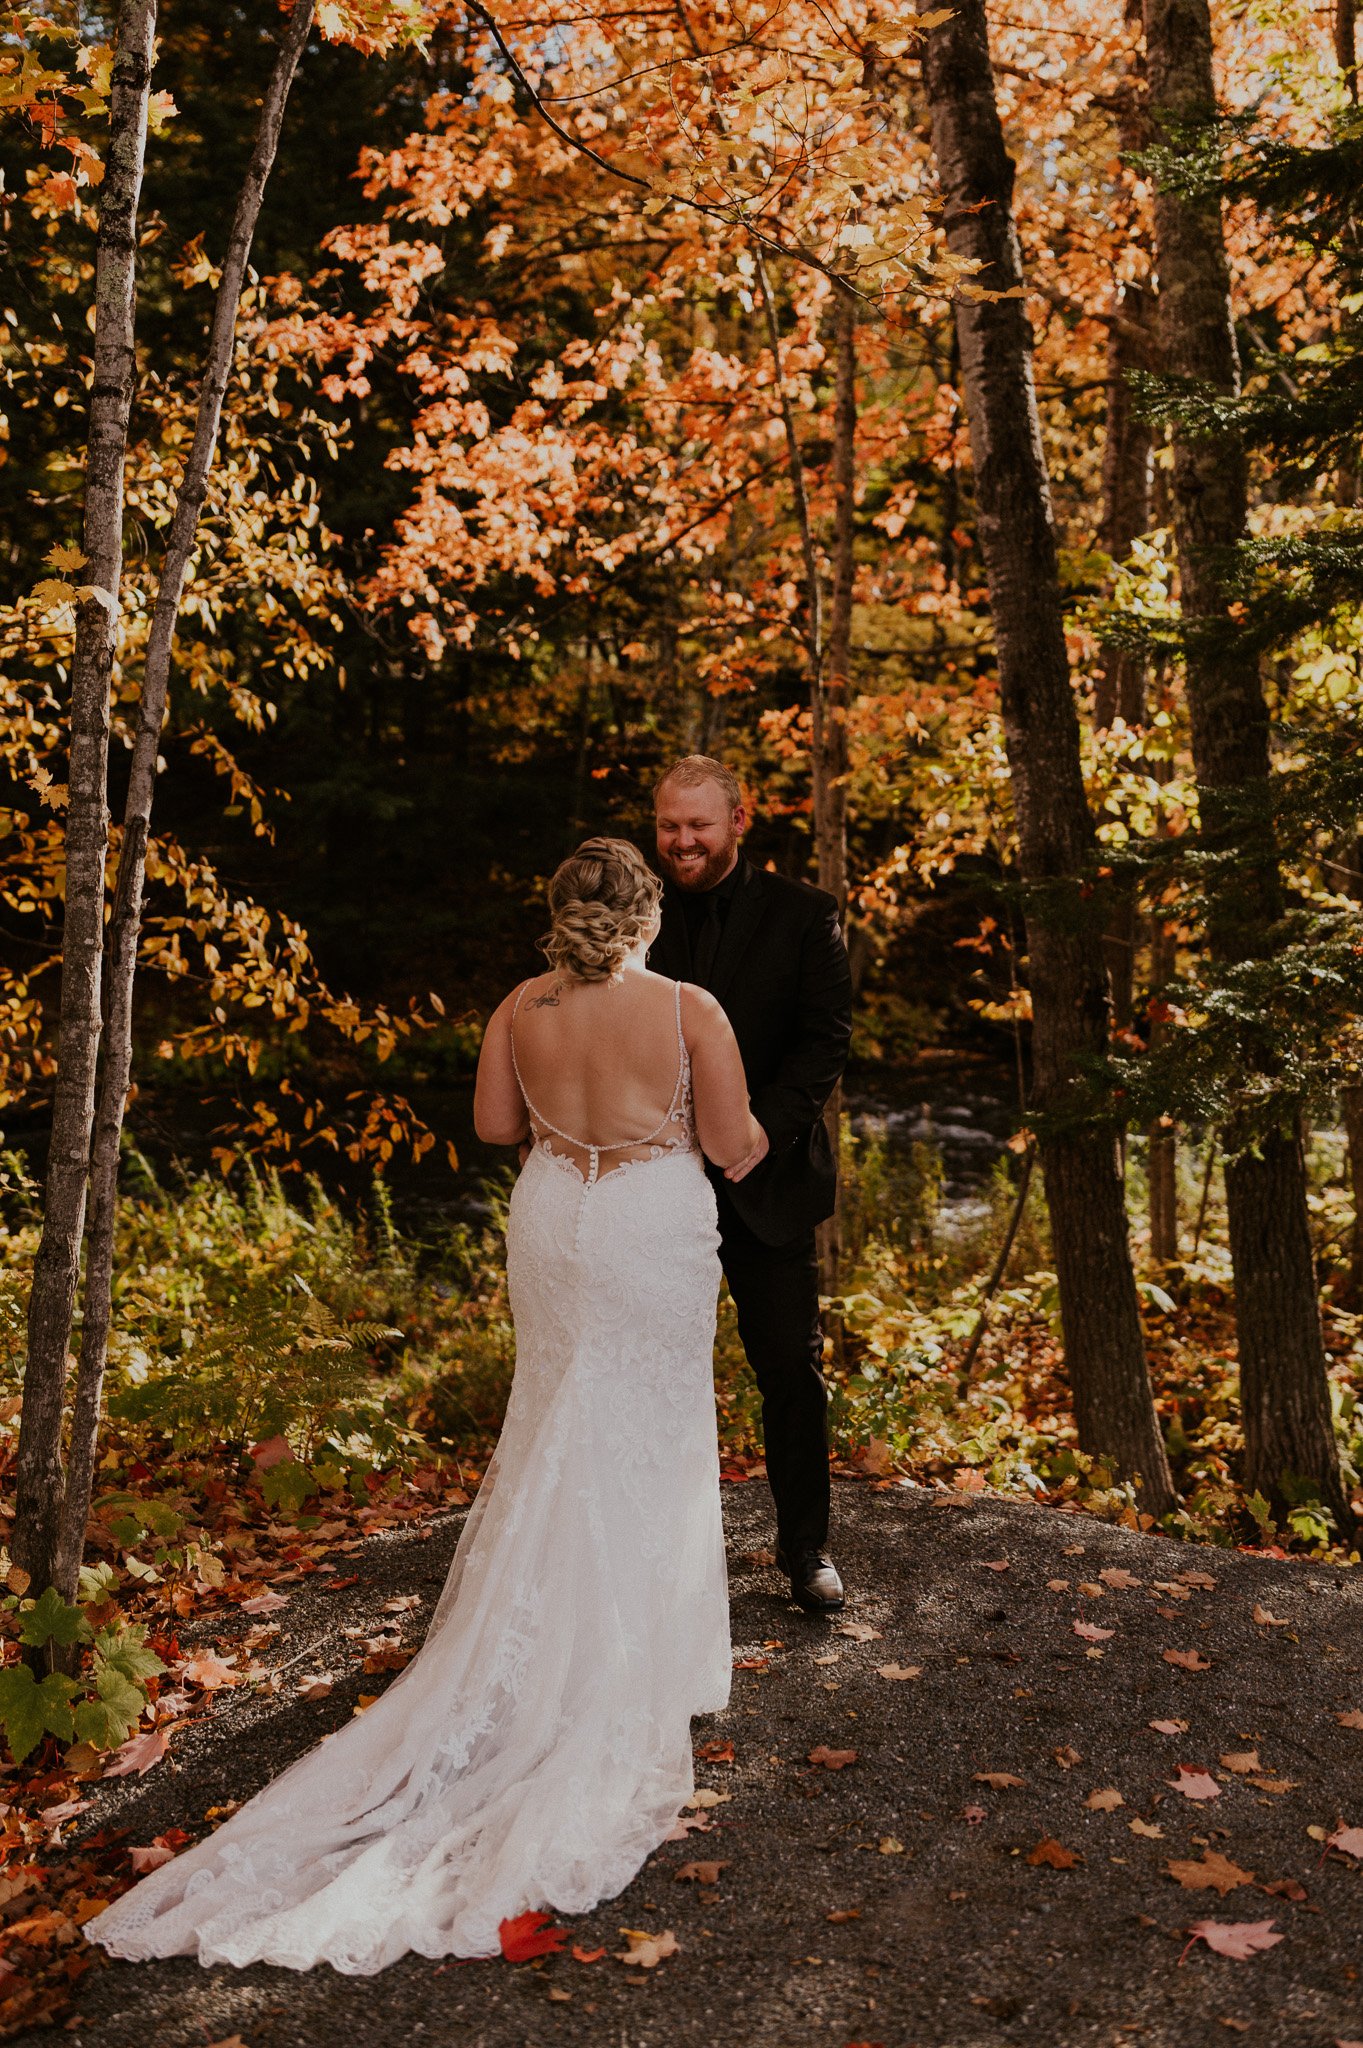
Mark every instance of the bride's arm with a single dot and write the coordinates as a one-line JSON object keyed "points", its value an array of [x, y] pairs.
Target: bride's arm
{"points": [[499, 1113], [727, 1129]]}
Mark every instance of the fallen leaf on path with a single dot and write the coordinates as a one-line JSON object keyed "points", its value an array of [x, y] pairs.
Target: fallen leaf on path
{"points": [[530, 1935], [1118, 1578], [317, 1687], [1105, 1799], [1054, 1855], [859, 1631], [995, 1564], [890, 1845], [208, 1670], [402, 1603], [1194, 1784], [1057, 1585], [1168, 1727], [1275, 1784], [1211, 1871], [1242, 1761], [560, 1997], [764, 1663], [1238, 1939], [152, 1857], [998, 1781], [1349, 1840], [1147, 1828], [1091, 1632], [1187, 1660], [716, 1752], [686, 1824], [832, 1759], [1073, 1550], [698, 1873], [842, 1915], [973, 1815], [138, 1753], [1090, 1589], [707, 1797], [1267, 1619], [1204, 1580], [264, 1603], [647, 1950], [1353, 1719], [1285, 1888], [1066, 1757], [899, 1671], [587, 1955]]}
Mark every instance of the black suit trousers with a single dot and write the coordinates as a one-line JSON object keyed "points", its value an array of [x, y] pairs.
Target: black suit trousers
{"points": [[775, 1290]]}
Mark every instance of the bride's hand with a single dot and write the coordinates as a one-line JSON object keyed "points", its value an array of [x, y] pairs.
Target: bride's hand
{"points": [[754, 1158]]}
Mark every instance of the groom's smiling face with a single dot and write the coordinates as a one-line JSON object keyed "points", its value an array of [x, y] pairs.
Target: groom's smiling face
{"points": [[698, 833]]}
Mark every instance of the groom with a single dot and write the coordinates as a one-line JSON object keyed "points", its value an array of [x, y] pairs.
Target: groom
{"points": [[771, 952]]}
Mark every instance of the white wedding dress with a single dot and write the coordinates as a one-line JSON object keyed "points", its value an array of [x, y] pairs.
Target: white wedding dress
{"points": [[538, 1748]]}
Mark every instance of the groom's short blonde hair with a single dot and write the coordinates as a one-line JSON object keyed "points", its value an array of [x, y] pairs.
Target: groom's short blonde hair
{"points": [[696, 768]]}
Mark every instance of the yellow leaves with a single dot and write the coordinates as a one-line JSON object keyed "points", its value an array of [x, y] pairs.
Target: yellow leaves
{"points": [[647, 1950], [64, 557]]}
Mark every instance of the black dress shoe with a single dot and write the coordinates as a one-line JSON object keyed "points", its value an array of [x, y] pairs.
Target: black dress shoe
{"points": [[814, 1580]]}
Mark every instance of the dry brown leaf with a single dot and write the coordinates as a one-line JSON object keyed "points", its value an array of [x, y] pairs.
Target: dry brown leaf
{"points": [[842, 1915], [646, 1950], [1187, 1660], [1242, 1761], [1238, 1939], [1211, 1872], [1057, 1585], [1203, 1580], [1168, 1727], [899, 1671], [998, 1781], [1194, 1784], [1147, 1828], [707, 1797], [859, 1631], [207, 1670], [1054, 1855], [1118, 1578], [1349, 1840], [1066, 1757], [1090, 1589], [1353, 1719], [995, 1564], [140, 1752], [1267, 1619], [1091, 1632], [832, 1759], [890, 1845], [317, 1686], [1105, 1800], [1275, 1784], [698, 1873]]}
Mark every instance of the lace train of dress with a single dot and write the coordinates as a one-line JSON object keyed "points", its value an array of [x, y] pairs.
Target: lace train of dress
{"points": [[538, 1748]]}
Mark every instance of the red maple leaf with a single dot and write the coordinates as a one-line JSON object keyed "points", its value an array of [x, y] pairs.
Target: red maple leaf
{"points": [[530, 1935]]}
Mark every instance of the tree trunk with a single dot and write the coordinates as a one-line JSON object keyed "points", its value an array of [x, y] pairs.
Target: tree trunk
{"points": [[1161, 1155], [126, 923], [1284, 1386], [1353, 1127], [1104, 1344], [1346, 42], [38, 1495]]}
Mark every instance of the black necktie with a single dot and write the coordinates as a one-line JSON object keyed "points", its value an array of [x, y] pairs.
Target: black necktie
{"points": [[707, 942]]}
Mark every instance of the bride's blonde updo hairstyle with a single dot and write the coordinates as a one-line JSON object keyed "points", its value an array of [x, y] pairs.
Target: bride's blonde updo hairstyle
{"points": [[603, 899]]}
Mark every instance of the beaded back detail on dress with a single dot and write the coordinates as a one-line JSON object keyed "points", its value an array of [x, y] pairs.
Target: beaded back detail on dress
{"points": [[676, 1132]]}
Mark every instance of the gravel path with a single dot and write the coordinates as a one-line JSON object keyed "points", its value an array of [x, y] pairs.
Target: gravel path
{"points": [[945, 1931]]}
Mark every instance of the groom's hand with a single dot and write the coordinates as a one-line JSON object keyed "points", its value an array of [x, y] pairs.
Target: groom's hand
{"points": [[754, 1158]]}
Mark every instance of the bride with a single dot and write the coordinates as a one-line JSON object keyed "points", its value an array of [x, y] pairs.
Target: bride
{"points": [[537, 1749]]}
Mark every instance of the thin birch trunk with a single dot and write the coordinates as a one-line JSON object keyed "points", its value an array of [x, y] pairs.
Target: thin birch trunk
{"points": [[39, 1478], [1104, 1343], [126, 924], [1284, 1385]]}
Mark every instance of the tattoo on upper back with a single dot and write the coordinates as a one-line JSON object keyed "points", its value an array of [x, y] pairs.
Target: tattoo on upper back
{"points": [[548, 1001]]}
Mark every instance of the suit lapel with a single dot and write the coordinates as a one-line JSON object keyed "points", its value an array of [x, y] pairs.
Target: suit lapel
{"points": [[745, 913]]}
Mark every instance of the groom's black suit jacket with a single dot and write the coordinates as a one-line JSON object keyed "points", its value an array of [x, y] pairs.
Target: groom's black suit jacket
{"points": [[780, 973]]}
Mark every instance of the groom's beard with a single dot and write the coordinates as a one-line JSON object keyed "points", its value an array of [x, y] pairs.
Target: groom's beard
{"points": [[695, 875]]}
